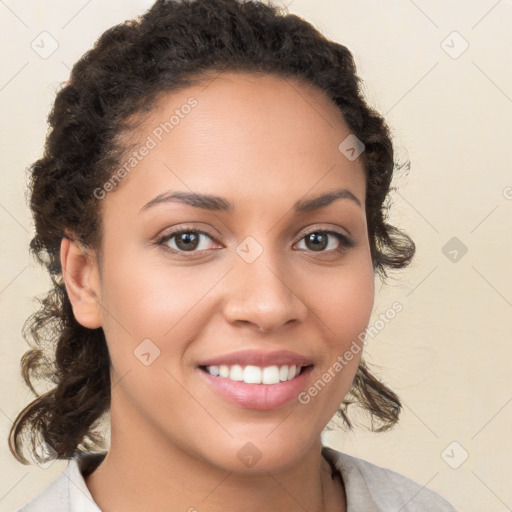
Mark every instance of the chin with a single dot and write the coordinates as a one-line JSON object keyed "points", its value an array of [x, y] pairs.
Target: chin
{"points": [[260, 453]]}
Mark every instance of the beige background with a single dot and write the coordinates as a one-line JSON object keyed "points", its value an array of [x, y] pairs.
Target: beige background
{"points": [[447, 354]]}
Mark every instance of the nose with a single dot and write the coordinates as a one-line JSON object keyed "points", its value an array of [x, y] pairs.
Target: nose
{"points": [[263, 293]]}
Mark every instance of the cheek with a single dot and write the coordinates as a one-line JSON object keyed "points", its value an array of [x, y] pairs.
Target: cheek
{"points": [[343, 315], [142, 294], [345, 302], [152, 302]]}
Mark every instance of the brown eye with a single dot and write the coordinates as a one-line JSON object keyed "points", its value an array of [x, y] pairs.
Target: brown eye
{"points": [[186, 241], [325, 241], [316, 241]]}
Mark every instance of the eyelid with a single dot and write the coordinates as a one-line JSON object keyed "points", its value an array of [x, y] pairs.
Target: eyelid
{"points": [[326, 228]]}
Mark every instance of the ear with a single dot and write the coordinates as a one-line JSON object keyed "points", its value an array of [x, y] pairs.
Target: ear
{"points": [[81, 277]]}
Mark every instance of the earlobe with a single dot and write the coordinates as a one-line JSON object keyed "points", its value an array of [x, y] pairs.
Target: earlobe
{"points": [[81, 277]]}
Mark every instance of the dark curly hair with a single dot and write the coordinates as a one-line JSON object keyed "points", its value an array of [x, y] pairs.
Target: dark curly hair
{"points": [[173, 45]]}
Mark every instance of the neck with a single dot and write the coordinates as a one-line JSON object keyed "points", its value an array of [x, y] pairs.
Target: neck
{"points": [[173, 479]]}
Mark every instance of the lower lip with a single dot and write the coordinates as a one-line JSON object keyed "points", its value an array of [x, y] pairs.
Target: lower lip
{"points": [[258, 396]]}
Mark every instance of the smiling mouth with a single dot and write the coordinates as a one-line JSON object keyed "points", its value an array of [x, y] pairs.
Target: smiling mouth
{"points": [[268, 375]]}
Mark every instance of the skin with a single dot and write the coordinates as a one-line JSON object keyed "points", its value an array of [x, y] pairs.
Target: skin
{"points": [[261, 142]]}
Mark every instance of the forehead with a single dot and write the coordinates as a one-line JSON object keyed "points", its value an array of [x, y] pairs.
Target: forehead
{"points": [[246, 136]]}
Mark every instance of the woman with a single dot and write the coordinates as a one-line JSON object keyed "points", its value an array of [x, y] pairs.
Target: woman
{"points": [[211, 208]]}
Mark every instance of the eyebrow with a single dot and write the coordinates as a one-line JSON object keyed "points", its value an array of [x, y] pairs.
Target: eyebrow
{"points": [[216, 203]]}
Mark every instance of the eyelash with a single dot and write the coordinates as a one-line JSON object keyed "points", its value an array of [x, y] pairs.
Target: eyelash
{"points": [[345, 242]]}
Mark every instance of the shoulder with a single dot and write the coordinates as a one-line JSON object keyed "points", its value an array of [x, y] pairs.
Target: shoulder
{"points": [[374, 488], [52, 497], [67, 492]]}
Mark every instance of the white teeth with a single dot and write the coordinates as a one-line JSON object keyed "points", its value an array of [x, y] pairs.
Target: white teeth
{"points": [[270, 375], [236, 372], [214, 370], [254, 374]]}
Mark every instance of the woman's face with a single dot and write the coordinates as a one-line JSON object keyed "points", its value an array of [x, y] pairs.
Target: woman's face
{"points": [[262, 285]]}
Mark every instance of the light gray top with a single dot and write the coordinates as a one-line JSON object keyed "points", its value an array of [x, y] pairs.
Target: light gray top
{"points": [[368, 488]]}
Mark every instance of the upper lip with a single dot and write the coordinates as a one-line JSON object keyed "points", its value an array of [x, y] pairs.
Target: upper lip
{"points": [[259, 358]]}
